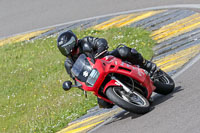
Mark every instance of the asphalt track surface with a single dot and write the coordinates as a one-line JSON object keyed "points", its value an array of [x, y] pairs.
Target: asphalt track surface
{"points": [[178, 112], [18, 16]]}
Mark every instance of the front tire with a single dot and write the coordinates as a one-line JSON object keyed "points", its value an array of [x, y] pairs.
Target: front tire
{"points": [[134, 102], [164, 83]]}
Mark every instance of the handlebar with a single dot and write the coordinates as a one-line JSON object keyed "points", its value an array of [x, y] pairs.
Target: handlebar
{"points": [[98, 55]]}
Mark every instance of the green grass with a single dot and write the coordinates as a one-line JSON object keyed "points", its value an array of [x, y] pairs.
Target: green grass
{"points": [[32, 73]]}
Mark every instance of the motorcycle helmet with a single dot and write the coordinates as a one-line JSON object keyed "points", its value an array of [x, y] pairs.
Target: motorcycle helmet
{"points": [[66, 42]]}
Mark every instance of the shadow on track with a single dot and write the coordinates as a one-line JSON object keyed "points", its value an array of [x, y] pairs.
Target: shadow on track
{"points": [[157, 99]]}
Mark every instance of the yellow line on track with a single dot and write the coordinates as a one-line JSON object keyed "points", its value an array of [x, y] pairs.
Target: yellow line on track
{"points": [[75, 125], [178, 32], [174, 61], [176, 24], [174, 65], [177, 28], [139, 17], [124, 20], [113, 21], [21, 37], [90, 122], [112, 24], [193, 49], [85, 128], [99, 26]]}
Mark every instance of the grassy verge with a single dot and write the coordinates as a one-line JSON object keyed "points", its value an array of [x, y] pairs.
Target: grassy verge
{"points": [[32, 74]]}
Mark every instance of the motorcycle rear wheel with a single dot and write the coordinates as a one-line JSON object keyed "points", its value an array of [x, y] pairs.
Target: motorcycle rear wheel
{"points": [[135, 103], [164, 84]]}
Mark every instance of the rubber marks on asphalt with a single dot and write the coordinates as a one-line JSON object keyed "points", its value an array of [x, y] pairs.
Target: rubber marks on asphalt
{"points": [[22, 37]]}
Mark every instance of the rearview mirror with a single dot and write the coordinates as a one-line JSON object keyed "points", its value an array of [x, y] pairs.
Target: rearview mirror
{"points": [[67, 85]]}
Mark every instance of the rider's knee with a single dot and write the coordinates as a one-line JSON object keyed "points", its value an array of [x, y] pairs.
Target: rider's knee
{"points": [[124, 52]]}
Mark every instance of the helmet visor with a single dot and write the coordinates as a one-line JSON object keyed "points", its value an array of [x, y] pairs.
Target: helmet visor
{"points": [[69, 45]]}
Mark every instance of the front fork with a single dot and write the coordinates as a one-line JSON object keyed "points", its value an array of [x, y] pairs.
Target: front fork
{"points": [[124, 86], [127, 89]]}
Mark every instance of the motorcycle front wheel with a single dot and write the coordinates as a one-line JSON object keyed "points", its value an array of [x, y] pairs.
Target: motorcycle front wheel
{"points": [[164, 83], [133, 102]]}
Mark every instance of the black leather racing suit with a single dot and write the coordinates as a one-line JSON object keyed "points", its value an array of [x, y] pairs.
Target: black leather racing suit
{"points": [[98, 45]]}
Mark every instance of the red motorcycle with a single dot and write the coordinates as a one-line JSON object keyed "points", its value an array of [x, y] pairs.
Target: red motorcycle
{"points": [[119, 82]]}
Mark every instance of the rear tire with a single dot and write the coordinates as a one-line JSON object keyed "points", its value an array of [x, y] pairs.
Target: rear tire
{"points": [[164, 84], [114, 94]]}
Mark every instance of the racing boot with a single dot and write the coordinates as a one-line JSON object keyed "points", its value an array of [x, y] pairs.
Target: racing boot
{"points": [[137, 58], [150, 67]]}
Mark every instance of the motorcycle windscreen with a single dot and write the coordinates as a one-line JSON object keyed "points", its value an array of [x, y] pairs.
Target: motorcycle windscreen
{"points": [[81, 68]]}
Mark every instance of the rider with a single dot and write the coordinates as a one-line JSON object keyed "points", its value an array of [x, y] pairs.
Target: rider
{"points": [[71, 47]]}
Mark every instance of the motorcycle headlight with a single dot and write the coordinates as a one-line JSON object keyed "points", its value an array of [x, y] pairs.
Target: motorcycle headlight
{"points": [[92, 78]]}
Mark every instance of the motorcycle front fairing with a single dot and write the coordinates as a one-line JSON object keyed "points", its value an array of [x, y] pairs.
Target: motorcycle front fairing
{"points": [[81, 68], [115, 65], [84, 70], [87, 73]]}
